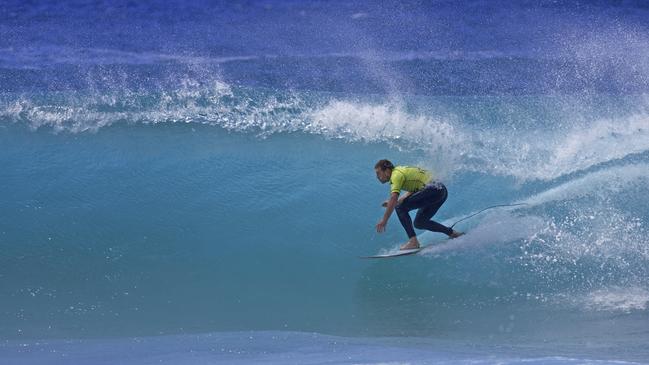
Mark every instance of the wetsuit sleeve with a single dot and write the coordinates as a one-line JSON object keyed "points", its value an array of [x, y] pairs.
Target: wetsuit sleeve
{"points": [[396, 182]]}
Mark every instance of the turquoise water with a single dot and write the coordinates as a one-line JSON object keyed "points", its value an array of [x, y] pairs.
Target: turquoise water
{"points": [[141, 229], [194, 183]]}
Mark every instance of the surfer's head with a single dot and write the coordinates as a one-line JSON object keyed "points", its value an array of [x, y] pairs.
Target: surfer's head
{"points": [[383, 170]]}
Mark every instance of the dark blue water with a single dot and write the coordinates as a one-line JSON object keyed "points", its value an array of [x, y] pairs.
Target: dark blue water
{"points": [[198, 179]]}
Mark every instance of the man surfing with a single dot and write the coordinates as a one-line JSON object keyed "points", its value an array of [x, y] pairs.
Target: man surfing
{"points": [[422, 193]]}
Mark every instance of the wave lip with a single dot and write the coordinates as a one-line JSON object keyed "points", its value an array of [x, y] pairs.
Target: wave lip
{"points": [[544, 153]]}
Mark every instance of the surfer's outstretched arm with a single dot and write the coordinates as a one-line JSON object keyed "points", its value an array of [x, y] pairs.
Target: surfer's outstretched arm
{"points": [[392, 202]]}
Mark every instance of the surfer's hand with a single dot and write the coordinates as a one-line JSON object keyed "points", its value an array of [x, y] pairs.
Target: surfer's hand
{"points": [[380, 227], [385, 204]]}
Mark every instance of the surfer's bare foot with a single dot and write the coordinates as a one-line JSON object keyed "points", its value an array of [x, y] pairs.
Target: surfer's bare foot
{"points": [[455, 234], [411, 244]]}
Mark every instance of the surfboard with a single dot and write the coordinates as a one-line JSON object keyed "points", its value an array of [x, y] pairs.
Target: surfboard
{"points": [[396, 253]]}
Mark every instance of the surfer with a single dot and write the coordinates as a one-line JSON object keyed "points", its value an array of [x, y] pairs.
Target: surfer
{"points": [[421, 193]]}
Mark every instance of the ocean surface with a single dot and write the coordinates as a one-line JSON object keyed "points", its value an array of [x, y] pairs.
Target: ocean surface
{"points": [[193, 182]]}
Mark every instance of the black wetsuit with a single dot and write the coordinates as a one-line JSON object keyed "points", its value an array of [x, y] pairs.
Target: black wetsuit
{"points": [[427, 200]]}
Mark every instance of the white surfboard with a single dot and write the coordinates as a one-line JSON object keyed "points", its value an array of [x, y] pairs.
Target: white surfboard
{"points": [[397, 253]]}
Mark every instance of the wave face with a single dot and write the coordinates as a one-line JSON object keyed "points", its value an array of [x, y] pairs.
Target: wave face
{"points": [[214, 172]]}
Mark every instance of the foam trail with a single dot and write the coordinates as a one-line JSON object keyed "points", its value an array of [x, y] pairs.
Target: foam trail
{"points": [[494, 229], [616, 299], [613, 180], [546, 155], [604, 140], [496, 226]]}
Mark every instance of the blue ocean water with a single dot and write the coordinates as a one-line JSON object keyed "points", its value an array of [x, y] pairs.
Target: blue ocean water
{"points": [[192, 182]]}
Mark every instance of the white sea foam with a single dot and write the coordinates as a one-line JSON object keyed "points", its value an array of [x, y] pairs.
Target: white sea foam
{"points": [[359, 15], [572, 231], [611, 180], [379, 123], [526, 155], [42, 56], [496, 228], [598, 229], [445, 142], [586, 238], [390, 123], [619, 52], [29, 57], [596, 239], [617, 299], [549, 154], [609, 299], [204, 102], [604, 140]]}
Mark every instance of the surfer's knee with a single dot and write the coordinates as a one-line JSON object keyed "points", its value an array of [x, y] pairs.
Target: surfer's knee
{"points": [[419, 223]]}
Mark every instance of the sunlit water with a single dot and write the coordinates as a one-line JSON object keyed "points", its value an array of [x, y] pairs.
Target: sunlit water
{"points": [[195, 184]]}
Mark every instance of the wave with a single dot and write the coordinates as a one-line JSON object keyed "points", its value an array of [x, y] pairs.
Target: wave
{"points": [[450, 144], [103, 237], [48, 56], [280, 347], [580, 236]]}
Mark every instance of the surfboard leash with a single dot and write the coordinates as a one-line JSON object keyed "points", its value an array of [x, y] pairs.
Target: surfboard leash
{"points": [[487, 208]]}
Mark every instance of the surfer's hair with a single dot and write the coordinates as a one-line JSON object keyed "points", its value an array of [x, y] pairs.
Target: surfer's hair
{"points": [[384, 165]]}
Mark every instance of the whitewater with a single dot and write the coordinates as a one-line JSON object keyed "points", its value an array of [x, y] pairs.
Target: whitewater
{"points": [[194, 184]]}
